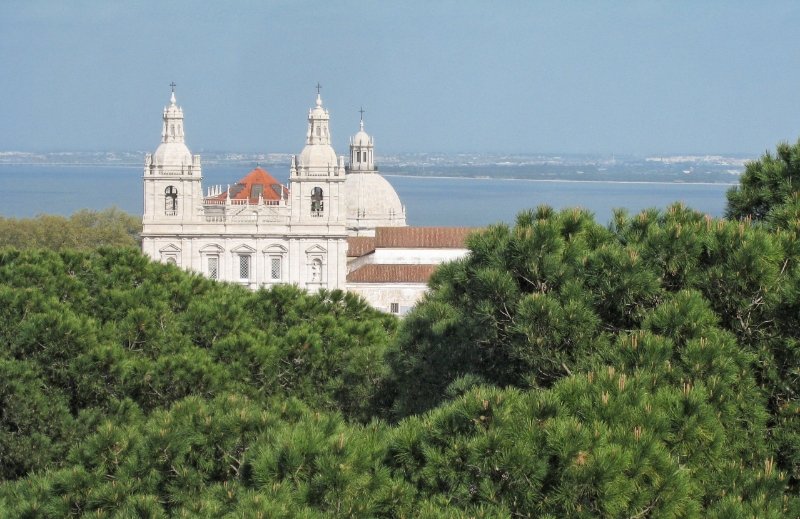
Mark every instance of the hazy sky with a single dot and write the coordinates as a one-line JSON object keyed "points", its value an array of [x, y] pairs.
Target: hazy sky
{"points": [[530, 77]]}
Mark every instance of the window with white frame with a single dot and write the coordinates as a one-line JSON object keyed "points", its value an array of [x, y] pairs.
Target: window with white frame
{"points": [[213, 267], [244, 267], [275, 268]]}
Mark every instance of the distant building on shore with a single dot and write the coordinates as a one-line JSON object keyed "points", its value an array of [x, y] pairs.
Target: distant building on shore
{"points": [[332, 226]]}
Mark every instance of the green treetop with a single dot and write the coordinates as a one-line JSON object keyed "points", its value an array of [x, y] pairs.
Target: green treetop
{"points": [[765, 184]]}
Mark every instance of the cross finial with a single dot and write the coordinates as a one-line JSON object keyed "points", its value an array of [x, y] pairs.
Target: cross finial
{"points": [[319, 87], [362, 113], [173, 85]]}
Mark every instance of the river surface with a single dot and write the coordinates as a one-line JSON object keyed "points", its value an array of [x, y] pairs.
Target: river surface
{"points": [[30, 189]]}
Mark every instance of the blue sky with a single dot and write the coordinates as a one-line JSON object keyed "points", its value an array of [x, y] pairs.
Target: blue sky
{"points": [[517, 77]]}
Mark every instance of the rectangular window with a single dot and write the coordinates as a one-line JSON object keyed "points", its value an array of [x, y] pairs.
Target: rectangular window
{"points": [[244, 267], [275, 269], [213, 267], [395, 308]]}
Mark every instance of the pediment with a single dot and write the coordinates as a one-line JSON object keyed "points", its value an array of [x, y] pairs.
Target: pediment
{"points": [[211, 247], [275, 248], [170, 248], [316, 249], [245, 249]]}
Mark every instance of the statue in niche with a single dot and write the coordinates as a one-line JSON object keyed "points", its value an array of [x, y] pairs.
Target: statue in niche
{"points": [[316, 271]]}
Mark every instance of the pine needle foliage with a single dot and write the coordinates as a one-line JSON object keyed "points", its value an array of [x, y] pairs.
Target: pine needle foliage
{"points": [[647, 369], [688, 325], [89, 336], [766, 183]]}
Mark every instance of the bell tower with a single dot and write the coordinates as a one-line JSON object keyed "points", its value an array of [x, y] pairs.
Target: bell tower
{"points": [[172, 176], [317, 176], [318, 217]]}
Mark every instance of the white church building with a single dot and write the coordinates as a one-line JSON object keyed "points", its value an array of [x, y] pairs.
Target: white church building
{"points": [[259, 233]]}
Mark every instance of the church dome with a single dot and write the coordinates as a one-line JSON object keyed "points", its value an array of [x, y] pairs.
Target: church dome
{"points": [[318, 111], [371, 202], [172, 154], [361, 138], [319, 155]]}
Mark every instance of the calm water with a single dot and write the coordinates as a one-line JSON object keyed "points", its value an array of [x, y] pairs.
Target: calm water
{"points": [[28, 190]]}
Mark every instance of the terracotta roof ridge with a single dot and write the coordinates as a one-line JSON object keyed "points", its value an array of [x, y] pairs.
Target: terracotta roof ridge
{"points": [[391, 273], [256, 176], [360, 245], [423, 237]]}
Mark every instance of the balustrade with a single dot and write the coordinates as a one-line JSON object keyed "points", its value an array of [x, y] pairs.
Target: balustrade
{"points": [[262, 218], [242, 201]]}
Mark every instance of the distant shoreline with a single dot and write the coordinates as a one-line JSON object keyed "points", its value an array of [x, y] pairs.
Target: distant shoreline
{"points": [[657, 182], [579, 181], [72, 164]]}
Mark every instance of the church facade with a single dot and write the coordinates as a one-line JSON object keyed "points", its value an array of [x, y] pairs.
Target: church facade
{"points": [[259, 232]]}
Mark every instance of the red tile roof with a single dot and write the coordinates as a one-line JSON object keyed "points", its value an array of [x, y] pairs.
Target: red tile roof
{"points": [[372, 273], [422, 237], [244, 188], [359, 245]]}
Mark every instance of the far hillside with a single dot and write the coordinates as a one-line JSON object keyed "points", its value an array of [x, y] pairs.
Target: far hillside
{"points": [[84, 230]]}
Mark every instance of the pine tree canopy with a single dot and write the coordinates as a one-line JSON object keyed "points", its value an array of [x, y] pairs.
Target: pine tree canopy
{"points": [[647, 369], [766, 184]]}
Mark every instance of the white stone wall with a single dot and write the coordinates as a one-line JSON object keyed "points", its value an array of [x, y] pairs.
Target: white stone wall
{"points": [[311, 262], [417, 256], [382, 295], [408, 257]]}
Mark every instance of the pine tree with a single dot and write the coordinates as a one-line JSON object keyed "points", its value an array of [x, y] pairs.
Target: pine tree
{"points": [[765, 184]]}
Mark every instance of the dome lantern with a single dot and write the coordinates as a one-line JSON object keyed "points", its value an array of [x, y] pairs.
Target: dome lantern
{"points": [[318, 157], [362, 150], [371, 200], [172, 153]]}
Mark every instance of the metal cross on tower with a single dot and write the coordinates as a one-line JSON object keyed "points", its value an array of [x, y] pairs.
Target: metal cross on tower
{"points": [[362, 113], [173, 85], [319, 87]]}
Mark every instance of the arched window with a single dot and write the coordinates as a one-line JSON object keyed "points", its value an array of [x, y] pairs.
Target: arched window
{"points": [[317, 203], [171, 199]]}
